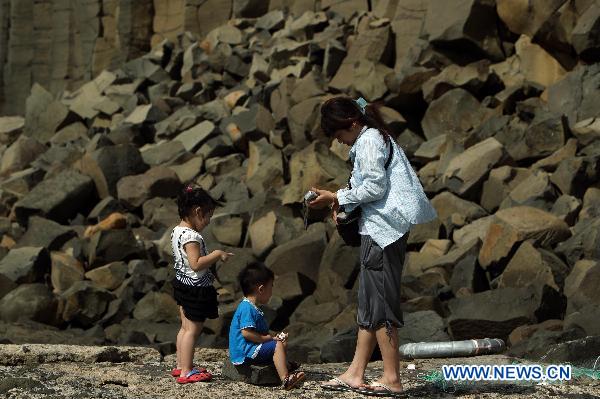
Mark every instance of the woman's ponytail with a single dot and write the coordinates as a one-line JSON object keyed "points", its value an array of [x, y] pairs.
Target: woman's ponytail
{"points": [[372, 118]]}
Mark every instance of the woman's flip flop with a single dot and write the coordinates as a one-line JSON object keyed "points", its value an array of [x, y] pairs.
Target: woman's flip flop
{"points": [[336, 384], [384, 391], [195, 376]]}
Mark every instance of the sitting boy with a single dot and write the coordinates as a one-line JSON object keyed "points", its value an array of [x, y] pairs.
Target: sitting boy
{"points": [[249, 338]]}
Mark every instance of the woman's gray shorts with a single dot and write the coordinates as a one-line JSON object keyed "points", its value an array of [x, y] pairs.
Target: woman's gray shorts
{"points": [[379, 284]]}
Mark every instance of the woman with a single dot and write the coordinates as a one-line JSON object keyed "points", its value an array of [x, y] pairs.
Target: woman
{"points": [[391, 200]]}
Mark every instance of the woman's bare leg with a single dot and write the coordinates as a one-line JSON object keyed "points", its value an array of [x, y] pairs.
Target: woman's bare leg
{"points": [[365, 344]]}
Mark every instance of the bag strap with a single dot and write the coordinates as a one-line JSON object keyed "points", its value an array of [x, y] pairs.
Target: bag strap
{"points": [[387, 162]]}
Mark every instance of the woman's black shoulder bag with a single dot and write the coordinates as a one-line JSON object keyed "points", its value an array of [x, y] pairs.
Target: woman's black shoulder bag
{"points": [[347, 223]]}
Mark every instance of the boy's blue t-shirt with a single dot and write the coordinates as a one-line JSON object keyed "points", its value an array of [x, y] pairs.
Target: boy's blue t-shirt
{"points": [[247, 315]]}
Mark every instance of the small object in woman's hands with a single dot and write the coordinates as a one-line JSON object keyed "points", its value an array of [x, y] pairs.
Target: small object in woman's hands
{"points": [[310, 196]]}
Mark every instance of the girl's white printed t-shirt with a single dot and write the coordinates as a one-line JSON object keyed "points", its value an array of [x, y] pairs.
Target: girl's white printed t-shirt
{"points": [[183, 272]]}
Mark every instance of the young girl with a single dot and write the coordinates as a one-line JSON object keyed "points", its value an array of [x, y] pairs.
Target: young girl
{"points": [[193, 283]]}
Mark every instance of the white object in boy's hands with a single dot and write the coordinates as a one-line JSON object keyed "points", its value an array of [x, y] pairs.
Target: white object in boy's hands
{"points": [[282, 336]]}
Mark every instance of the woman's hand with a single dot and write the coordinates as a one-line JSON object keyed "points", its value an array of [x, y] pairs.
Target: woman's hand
{"points": [[325, 198]]}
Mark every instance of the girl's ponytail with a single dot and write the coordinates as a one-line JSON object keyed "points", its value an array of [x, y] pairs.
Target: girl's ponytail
{"points": [[372, 118]]}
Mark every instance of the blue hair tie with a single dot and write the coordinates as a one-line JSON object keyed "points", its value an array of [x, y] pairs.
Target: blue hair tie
{"points": [[362, 103]]}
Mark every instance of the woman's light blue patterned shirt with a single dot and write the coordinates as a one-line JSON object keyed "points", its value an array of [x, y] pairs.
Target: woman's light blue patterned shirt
{"points": [[391, 200]]}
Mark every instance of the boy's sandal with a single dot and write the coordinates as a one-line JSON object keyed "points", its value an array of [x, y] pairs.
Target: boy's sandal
{"points": [[293, 380], [293, 366], [195, 376], [177, 372]]}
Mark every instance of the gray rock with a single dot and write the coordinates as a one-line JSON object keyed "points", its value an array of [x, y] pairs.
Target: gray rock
{"points": [[499, 183], [467, 170], [455, 113], [497, 312], [157, 307], [188, 170], [165, 153], [255, 375], [265, 167], [467, 274], [580, 283], [585, 34], [160, 213], [194, 137], [300, 255], [467, 28], [29, 301], [54, 197], [45, 233], [25, 265], [224, 165], [109, 276], [109, 164], [84, 303], [292, 286], [340, 348], [159, 181], [113, 245], [566, 207], [535, 191], [20, 154], [575, 96], [422, 326], [247, 125], [585, 242], [10, 128], [580, 352], [104, 208], [228, 230], [65, 271]]}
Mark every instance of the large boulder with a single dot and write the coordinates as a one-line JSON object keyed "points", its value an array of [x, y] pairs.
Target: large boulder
{"points": [[422, 326], [20, 154], [25, 265], [113, 245], [517, 224], [265, 167], [157, 307], [159, 181], [496, 313], [576, 96], [109, 276], [108, 164], [301, 255], [29, 301], [59, 198], [65, 271], [581, 285], [585, 242], [84, 303], [467, 28], [45, 233], [532, 266], [467, 170], [455, 113], [314, 166]]}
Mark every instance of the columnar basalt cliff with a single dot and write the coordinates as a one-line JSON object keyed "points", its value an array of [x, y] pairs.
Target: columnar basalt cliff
{"points": [[115, 105]]}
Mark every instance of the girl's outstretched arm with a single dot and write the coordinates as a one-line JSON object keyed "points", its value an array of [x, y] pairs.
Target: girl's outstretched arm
{"points": [[198, 262]]}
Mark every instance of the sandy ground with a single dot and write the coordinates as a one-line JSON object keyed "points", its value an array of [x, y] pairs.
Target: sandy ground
{"points": [[147, 377]]}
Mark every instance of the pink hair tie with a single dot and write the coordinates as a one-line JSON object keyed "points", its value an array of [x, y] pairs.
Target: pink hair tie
{"points": [[189, 189]]}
